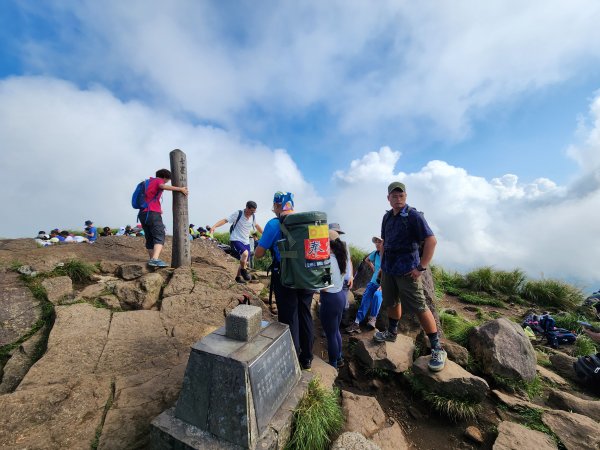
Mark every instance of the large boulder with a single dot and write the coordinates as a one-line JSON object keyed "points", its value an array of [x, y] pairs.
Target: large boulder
{"points": [[512, 436], [575, 431], [20, 310], [563, 364], [142, 293], [365, 416], [453, 381], [503, 350], [395, 356], [58, 288]]}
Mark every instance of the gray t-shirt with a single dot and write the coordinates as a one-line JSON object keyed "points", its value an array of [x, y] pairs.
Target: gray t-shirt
{"points": [[243, 228]]}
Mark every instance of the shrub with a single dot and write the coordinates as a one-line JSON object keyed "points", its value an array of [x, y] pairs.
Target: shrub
{"points": [[552, 293], [357, 254], [78, 271], [568, 321], [446, 280], [584, 346], [222, 238], [317, 417], [263, 263], [456, 328], [509, 283], [481, 280]]}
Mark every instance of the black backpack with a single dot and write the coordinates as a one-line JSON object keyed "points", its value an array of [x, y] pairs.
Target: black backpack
{"points": [[587, 369]]}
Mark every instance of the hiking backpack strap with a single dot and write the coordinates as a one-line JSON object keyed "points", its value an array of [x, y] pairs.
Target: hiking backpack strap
{"points": [[236, 221], [288, 236]]}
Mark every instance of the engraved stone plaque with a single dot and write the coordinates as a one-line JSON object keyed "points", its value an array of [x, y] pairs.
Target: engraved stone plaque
{"points": [[272, 376]]}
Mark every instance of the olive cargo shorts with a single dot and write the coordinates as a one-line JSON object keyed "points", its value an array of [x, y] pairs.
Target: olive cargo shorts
{"points": [[404, 290]]}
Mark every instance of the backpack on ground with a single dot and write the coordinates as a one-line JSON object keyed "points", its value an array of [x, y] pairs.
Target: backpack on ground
{"points": [[304, 251], [587, 369]]}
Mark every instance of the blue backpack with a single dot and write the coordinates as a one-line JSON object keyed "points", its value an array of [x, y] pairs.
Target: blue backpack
{"points": [[138, 199]]}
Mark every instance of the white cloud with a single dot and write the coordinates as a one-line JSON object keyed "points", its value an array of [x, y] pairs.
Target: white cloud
{"points": [[69, 155], [503, 222], [372, 66]]}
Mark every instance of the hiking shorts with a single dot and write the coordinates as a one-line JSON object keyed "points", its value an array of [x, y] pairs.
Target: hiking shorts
{"points": [[402, 289], [239, 248], [154, 228]]}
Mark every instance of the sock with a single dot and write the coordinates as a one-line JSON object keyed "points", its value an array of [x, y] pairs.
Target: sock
{"points": [[393, 326], [434, 340]]}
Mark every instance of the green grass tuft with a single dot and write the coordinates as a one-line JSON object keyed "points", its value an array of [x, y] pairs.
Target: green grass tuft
{"points": [[552, 293], [357, 254], [532, 388], [317, 417], [223, 238], [456, 328], [584, 346], [480, 300], [78, 271]]}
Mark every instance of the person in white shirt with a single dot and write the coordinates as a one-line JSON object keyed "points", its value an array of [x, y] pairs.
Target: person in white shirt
{"points": [[243, 223], [333, 300]]}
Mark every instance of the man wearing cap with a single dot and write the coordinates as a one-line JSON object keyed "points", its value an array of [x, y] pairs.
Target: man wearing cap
{"points": [[293, 305], [402, 229], [371, 299], [243, 223], [91, 233]]}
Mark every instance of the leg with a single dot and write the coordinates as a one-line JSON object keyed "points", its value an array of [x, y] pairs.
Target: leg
{"points": [[287, 309], [304, 317], [391, 299], [365, 303], [427, 322], [156, 251], [376, 304]]}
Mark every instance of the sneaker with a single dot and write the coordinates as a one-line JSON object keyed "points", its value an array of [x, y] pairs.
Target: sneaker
{"points": [[354, 328], [246, 275], [240, 280], [384, 336], [157, 263], [371, 323], [306, 366], [438, 360]]}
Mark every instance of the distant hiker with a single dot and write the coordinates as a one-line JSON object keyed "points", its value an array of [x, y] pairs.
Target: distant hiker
{"points": [[403, 228], [151, 219], [193, 233], [106, 231], [371, 299], [333, 299], [91, 233], [293, 305], [348, 277], [243, 222]]}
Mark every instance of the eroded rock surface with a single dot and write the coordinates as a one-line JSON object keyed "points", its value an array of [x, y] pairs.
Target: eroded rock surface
{"points": [[575, 431], [512, 436], [58, 288], [20, 310], [396, 356]]}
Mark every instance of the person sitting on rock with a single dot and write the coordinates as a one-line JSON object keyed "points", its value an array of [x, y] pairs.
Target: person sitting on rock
{"points": [[91, 233], [333, 300], [106, 231], [371, 299]]}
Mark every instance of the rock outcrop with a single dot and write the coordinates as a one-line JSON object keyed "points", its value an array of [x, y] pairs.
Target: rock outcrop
{"points": [[58, 289], [503, 350], [512, 436], [575, 431], [395, 356]]}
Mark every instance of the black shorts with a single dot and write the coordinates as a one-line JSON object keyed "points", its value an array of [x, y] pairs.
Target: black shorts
{"points": [[154, 228]]}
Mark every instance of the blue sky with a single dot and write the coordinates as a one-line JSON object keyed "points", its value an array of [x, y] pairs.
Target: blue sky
{"points": [[489, 112]]}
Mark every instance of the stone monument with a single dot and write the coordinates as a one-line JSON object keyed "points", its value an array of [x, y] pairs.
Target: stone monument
{"points": [[240, 387]]}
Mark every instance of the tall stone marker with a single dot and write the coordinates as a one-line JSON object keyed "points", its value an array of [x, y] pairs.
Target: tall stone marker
{"points": [[182, 255], [240, 387]]}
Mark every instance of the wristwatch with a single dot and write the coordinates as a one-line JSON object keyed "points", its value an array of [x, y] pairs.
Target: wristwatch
{"points": [[420, 268]]}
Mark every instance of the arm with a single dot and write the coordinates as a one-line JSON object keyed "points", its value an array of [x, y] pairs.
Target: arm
{"points": [[259, 252], [428, 248], [167, 187], [218, 224]]}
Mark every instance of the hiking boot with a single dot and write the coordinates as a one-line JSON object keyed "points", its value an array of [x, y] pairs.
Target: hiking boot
{"points": [[385, 336], [240, 280], [438, 360], [157, 263], [354, 328], [246, 275], [306, 366], [371, 323]]}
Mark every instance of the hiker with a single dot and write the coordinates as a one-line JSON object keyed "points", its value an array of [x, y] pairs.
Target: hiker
{"points": [[106, 231], [348, 277], [333, 300], [91, 233], [402, 230], [193, 233], [293, 305], [151, 217], [371, 299], [243, 222]]}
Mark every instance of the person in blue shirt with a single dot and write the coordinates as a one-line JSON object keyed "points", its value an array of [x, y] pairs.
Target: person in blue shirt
{"points": [[402, 230], [371, 299], [91, 233], [293, 305]]}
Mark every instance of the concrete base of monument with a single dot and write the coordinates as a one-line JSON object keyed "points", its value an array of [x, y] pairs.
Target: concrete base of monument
{"points": [[169, 432]]}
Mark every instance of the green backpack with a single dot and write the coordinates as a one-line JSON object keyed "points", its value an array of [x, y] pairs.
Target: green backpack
{"points": [[304, 251]]}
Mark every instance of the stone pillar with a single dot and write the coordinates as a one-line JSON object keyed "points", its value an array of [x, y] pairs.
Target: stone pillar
{"points": [[181, 242]]}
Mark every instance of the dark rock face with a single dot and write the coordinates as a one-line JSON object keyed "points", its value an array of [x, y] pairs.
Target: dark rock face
{"points": [[503, 350]]}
